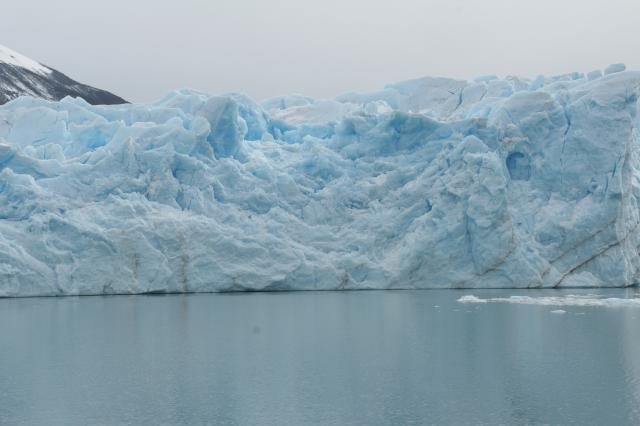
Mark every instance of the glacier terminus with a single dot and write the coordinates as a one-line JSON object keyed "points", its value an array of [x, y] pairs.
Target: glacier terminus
{"points": [[429, 183]]}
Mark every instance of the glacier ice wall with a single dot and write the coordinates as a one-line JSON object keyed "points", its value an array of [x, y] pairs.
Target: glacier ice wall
{"points": [[429, 183]]}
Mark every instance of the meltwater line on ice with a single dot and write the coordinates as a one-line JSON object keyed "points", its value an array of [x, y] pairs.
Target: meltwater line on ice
{"points": [[428, 183]]}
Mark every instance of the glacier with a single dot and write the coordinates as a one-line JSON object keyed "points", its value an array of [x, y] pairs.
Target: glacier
{"points": [[428, 183]]}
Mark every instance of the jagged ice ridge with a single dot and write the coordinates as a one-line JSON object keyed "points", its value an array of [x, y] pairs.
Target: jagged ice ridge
{"points": [[429, 183]]}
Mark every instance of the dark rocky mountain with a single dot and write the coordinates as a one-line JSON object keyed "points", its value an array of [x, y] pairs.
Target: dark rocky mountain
{"points": [[21, 76]]}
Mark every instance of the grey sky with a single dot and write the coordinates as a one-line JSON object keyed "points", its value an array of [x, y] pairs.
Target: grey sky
{"points": [[140, 49]]}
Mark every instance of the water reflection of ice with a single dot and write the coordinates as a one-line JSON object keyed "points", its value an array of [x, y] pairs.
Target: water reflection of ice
{"points": [[630, 360]]}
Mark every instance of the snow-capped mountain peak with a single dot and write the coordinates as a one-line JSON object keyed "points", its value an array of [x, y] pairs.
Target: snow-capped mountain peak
{"points": [[22, 76], [11, 57]]}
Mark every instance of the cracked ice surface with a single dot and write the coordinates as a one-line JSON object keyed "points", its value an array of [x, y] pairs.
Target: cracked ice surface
{"points": [[429, 183]]}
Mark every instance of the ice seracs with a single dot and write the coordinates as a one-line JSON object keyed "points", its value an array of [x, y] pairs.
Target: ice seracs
{"points": [[430, 183], [613, 68]]}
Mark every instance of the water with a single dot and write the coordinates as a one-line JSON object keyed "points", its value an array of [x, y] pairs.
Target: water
{"points": [[387, 357]]}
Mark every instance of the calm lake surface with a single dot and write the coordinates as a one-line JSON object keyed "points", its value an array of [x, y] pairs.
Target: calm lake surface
{"points": [[366, 358]]}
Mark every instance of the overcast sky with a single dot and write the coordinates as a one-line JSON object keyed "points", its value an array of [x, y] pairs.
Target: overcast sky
{"points": [[141, 49]]}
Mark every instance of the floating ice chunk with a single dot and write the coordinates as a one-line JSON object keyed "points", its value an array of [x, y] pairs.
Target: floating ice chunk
{"points": [[559, 312], [568, 300], [471, 299]]}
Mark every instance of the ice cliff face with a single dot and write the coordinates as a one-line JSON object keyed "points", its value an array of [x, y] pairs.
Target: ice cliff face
{"points": [[427, 183], [22, 76]]}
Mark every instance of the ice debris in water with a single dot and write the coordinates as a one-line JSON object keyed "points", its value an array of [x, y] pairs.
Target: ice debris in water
{"points": [[568, 300], [428, 183], [472, 299]]}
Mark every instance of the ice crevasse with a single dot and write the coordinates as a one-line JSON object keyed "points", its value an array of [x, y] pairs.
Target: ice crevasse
{"points": [[428, 183]]}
